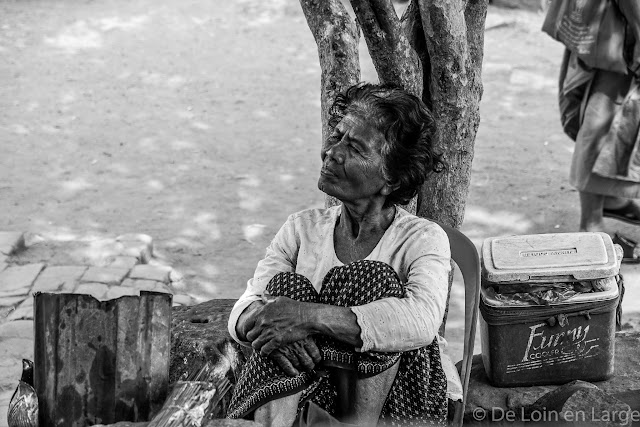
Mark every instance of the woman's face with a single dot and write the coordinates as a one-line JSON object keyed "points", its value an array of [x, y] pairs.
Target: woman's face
{"points": [[351, 161]]}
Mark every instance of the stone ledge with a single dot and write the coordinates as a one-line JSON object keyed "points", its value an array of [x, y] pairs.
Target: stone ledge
{"points": [[624, 385]]}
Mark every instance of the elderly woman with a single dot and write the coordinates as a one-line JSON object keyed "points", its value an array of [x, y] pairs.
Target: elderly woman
{"points": [[344, 309]]}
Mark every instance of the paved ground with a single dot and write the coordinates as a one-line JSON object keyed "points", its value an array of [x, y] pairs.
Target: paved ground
{"points": [[125, 265], [103, 268]]}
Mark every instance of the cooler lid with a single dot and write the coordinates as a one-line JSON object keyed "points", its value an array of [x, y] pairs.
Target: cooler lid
{"points": [[554, 257]]}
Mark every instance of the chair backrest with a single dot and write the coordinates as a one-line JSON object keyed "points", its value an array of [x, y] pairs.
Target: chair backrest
{"points": [[465, 255]]}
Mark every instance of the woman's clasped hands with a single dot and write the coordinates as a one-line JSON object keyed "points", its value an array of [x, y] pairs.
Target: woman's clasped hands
{"points": [[281, 329]]}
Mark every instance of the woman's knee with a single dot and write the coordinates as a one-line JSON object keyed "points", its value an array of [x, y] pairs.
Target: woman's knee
{"points": [[360, 282], [292, 285]]}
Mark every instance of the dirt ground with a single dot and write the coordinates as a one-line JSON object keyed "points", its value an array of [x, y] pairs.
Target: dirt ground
{"points": [[197, 122]]}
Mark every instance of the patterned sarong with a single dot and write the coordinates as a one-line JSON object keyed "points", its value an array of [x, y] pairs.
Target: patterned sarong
{"points": [[418, 394]]}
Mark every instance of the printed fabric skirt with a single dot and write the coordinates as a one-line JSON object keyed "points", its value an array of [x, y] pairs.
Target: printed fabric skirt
{"points": [[418, 394]]}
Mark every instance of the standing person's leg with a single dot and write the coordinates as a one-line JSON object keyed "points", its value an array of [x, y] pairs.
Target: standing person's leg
{"points": [[591, 206], [597, 193]]}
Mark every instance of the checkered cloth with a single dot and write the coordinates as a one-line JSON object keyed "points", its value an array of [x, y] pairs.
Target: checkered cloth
{"points": [[418, 394]]}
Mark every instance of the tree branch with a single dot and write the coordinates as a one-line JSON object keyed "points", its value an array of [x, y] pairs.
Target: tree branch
{"points": [[389, 47], [412, 27]]}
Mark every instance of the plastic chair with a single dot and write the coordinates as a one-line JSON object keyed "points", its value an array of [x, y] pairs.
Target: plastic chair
{"points": [[465, 255]]}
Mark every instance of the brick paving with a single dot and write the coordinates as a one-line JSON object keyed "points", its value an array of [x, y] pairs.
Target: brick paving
{"points": [[105, 268]]}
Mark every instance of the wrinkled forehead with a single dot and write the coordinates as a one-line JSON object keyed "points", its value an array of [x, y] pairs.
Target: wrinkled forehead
{"points": [[362, 113]]}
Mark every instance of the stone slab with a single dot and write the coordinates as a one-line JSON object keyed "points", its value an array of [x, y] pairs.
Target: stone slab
{"points": [[119, 291], [12, 301], [579, 397], [16, 329], [4, 312], [124, 262], [25, 312], [21, 292], [137, 245], [11, 242], [28, 302], [69, 287], [11, 363], [19, 276], [96, 290], [101, 252], [54, 278], [141, 251], [106, 275], [147, 285], [150, 272]]}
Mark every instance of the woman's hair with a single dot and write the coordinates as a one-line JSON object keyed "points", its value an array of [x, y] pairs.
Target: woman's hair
{"points": [[408, 127]]}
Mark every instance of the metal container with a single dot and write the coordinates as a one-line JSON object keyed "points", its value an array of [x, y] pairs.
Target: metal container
{"points": [[534, 344], [99, 362]]}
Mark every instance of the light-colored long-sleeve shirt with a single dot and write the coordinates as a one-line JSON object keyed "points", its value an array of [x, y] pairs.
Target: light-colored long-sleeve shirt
{"points": [[416, 248]]}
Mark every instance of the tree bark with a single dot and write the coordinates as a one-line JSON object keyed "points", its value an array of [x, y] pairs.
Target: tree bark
{"points": [[454, 34], [435, 52], [336, 36], [389, 46]]}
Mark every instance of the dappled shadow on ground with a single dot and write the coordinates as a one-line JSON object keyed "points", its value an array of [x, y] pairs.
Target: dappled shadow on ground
{"points": [[175, 120], [198, 124]]}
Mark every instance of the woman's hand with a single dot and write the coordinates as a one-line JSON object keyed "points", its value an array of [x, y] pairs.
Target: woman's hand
{"points": [[300, 355], [247, 319], [279, 322]]}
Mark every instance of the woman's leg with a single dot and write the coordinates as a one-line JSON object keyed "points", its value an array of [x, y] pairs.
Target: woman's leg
{"points": [[263, 388], [362, 380], [400, 387], [360, 400], [280, 412]]}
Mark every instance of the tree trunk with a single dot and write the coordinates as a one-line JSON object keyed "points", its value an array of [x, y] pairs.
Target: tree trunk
{"points": [[435, 52], [454, 37], [337, 38]]}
